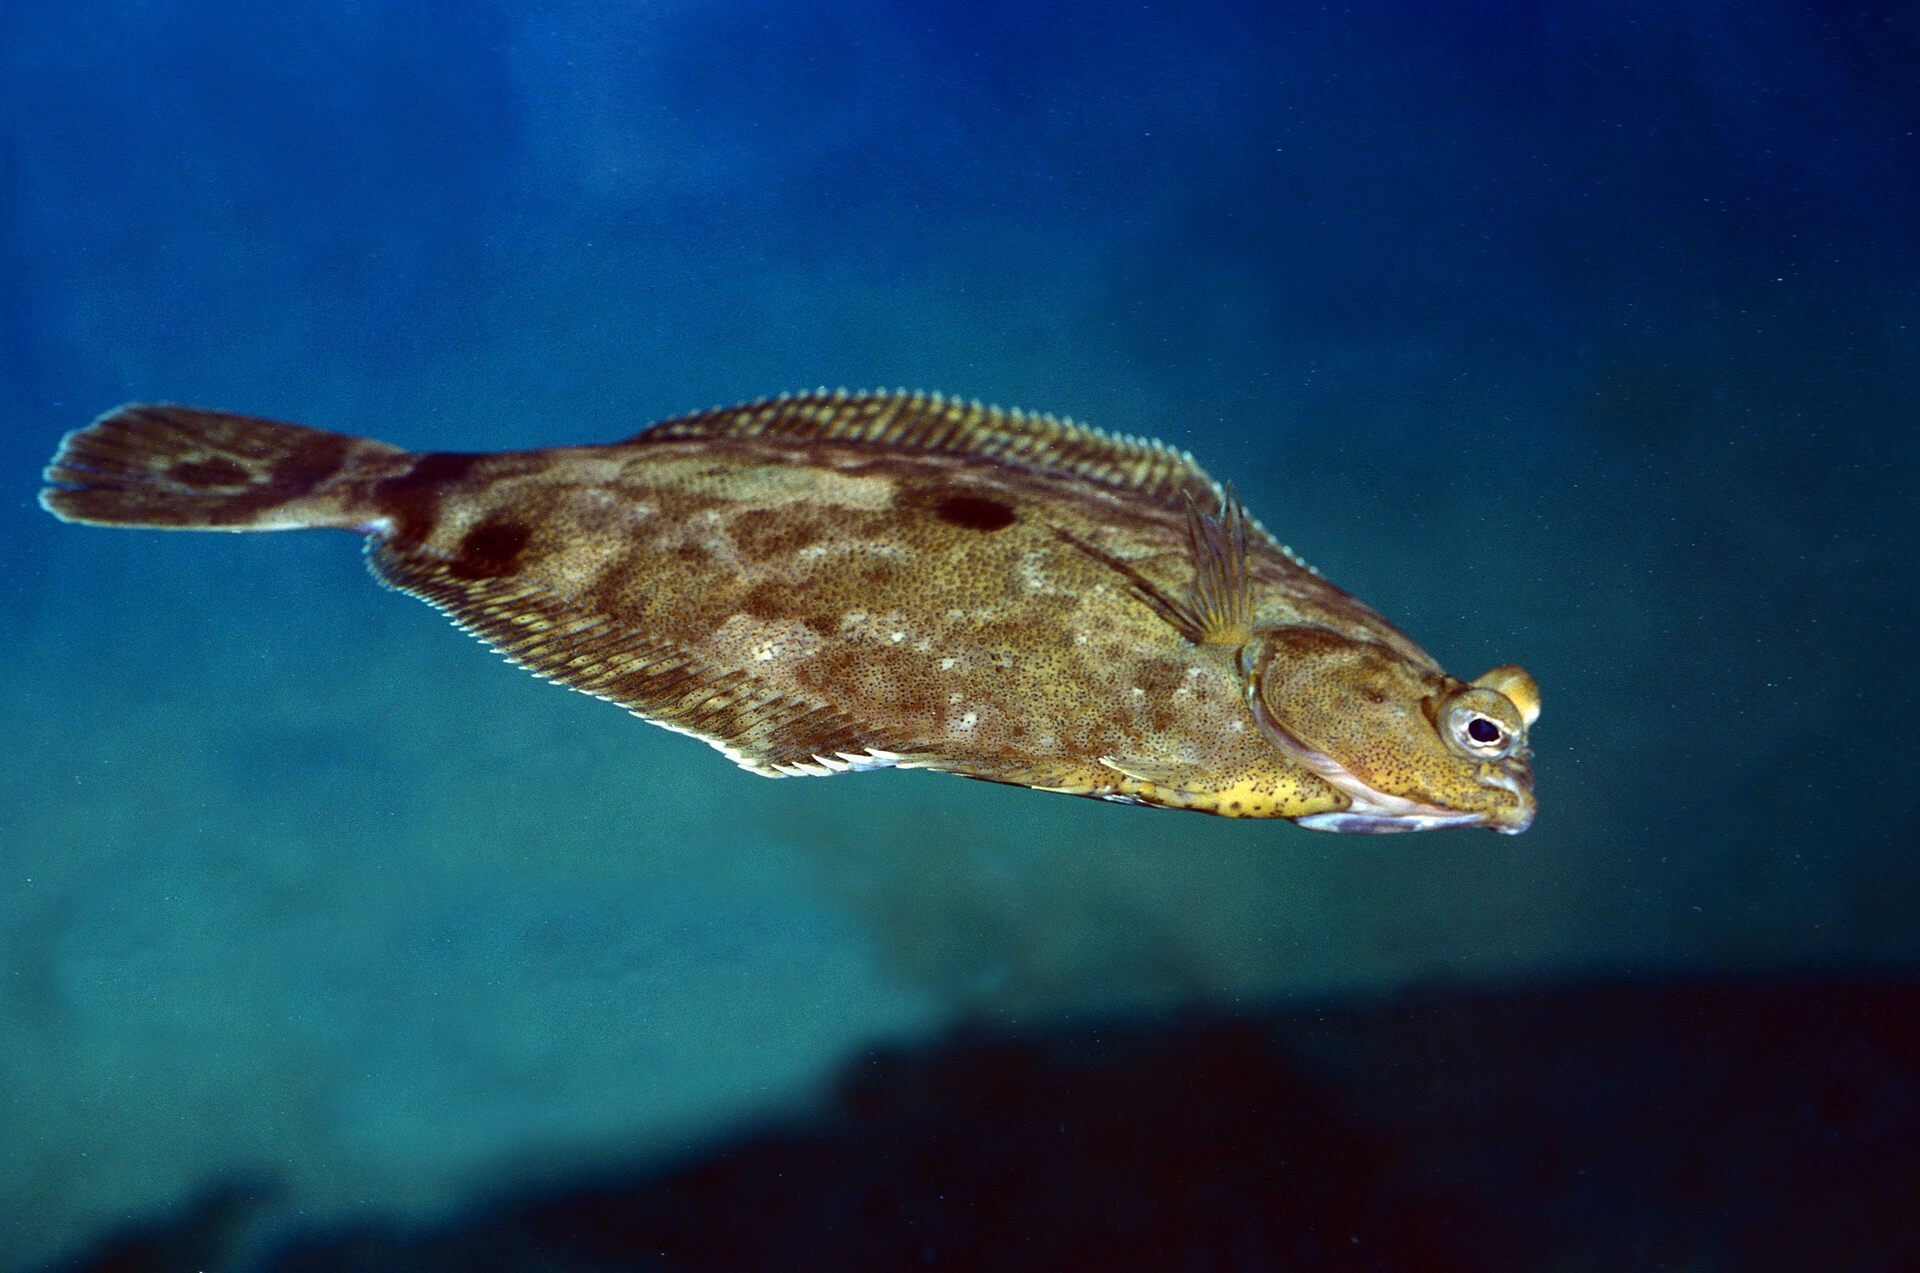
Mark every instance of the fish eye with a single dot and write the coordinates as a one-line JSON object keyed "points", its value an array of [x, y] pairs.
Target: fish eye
{"points": [[1480, 725]]}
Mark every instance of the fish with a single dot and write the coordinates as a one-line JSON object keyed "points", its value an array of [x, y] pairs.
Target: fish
{"points": [[831, 581]]}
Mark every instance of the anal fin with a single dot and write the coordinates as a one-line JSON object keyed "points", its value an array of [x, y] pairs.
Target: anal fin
{"points": [[574, 644]]}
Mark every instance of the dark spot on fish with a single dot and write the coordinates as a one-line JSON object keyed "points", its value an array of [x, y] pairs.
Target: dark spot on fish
{"points": [[247, 491], [314, 459], [437, 467], [490, 550], [210, 474], [974, 512], [412, 499]]}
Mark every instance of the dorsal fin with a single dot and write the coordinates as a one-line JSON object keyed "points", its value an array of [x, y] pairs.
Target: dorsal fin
{"points": [[932, 423]]}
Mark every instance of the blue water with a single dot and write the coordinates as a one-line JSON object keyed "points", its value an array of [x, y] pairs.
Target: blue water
{"points": [[1585, 337]]}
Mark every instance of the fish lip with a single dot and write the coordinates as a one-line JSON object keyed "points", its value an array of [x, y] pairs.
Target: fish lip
{"points": [[1363, 821], [1514, 825], [1347, 822], [1515, 818]]}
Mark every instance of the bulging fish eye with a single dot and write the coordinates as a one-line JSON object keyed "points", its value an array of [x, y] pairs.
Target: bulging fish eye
{"points": [[1481, 724]]}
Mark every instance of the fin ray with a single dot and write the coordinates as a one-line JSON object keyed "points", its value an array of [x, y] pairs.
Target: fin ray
{"points": [[561, 640], [168, 467], [933, 423], [1217, 608]]}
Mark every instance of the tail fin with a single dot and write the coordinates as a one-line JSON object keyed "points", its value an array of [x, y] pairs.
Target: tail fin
{"points": [[180, 468]]}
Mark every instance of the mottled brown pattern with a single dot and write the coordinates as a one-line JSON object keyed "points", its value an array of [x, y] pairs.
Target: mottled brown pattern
{"points": [[832, 580], [181, 468]]}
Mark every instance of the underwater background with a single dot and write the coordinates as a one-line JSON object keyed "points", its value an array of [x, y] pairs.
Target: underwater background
{"points": [[1583, 337]]}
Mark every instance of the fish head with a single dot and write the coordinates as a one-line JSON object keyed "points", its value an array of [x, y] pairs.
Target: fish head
{"points": [[1411, 748]]}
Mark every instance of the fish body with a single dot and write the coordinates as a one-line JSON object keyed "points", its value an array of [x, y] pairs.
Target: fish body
{"points": [[837, 581]]}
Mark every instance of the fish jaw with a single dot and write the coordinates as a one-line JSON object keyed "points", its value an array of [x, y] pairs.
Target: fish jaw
{"points": [[1351, 823], [1508, 820], [1377, 813]]}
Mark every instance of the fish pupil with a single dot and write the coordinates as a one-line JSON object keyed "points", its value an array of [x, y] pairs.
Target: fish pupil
{"points": [[1482, 730]]}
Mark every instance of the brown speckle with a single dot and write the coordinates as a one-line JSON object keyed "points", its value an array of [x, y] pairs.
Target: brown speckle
{"points": [[767, 534], [768, 601]]}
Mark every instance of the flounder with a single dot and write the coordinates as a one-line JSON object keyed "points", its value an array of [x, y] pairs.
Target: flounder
{"points": [[835, 581]]}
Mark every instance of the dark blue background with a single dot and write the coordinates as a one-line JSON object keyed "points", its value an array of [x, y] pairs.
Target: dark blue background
{"points": [[1587, 338]]}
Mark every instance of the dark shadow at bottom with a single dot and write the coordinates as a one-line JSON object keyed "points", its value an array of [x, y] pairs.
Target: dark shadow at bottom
{"points": [[1770, 1124]]}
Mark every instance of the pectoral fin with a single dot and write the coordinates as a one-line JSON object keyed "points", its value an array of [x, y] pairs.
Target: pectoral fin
{"points": [[1217, 608]]}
